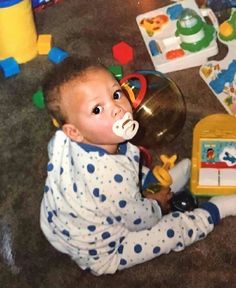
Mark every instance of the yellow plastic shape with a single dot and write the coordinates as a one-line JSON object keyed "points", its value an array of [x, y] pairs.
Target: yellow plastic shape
{"points": [[161, 172], [18, 37], [44, 44], [216, 128]]}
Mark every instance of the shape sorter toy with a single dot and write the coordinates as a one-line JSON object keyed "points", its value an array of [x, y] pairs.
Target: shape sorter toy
{"points": [[220, 76], [177, 36], [214, 156]]}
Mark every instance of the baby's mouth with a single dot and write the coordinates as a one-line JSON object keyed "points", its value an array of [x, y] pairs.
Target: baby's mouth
{"points": [[126, 127]]}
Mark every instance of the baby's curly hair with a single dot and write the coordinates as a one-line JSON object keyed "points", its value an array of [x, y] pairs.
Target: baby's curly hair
{"points": [[61, 74]]}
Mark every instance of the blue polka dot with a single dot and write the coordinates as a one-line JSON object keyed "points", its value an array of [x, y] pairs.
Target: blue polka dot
{"points": [[109, 220], [96, 192], [175, 214], [105, 235], [90, 168], [202, 235], [137, 248], [72, 161], [121, 239], [118, 218], [74, 187], [103, 198], [65, 232], [93, 252], [87, 269], [61, 170], [122, 203], [191, 217], [101, 153], [72, 215], [50, 167], [112, 244], [190, 233], [111, 251], [46, 188], [91, 228], [179, 244], [118, 178], [123, 262], [50, 215], [210, 220], [136, 158], [170, 233], [156, 250], [120, 249], [137, 221]]}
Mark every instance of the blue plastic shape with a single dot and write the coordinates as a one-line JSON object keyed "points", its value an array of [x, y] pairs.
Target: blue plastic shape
{"points": [[57, 55], [153, 48], [175, 11], [10, 67]]}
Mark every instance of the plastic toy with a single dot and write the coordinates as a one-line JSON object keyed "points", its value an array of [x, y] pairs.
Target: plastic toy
{"points": [[10, 67], [214, 156], [116, 70], [39, 5], [177, 36], [18, 37], [161, 172], [57, 55], [38, 99], [123, 53], [220, 75], [44, 44], [159, 107]]}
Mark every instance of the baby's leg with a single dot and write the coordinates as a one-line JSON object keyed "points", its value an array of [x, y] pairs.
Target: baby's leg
{"points": [[174, 232], [180, 174]]}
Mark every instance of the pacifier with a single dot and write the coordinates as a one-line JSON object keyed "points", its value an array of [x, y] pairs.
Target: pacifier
{"points": [[126, 127]]}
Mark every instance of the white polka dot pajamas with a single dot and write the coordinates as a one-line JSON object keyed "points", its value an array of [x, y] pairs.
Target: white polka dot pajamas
{"points": [[92, 209]]}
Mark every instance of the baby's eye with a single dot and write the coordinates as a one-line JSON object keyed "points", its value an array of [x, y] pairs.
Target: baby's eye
{"points": [[117, 94], [97, 110]]}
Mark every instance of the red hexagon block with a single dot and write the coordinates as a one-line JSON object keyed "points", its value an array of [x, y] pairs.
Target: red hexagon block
{"points": [[123, 52]]}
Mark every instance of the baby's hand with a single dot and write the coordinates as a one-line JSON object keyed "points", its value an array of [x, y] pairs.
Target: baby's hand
{"points": [[163, 198]]}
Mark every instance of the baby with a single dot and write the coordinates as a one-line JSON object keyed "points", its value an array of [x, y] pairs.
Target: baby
{"points": [[93, 207]]}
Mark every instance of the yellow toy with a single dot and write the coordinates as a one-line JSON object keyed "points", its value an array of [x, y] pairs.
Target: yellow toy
{"points": [[214, 156], [18, 37], [44, 44]]}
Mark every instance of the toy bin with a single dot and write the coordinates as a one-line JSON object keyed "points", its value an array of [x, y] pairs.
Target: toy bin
{"points": [[18, 37]]}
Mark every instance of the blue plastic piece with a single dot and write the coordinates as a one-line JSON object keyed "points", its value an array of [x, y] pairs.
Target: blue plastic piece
{"points": [[57, 55], [10, 67], [8, 3], [174, 11], [153, 48]]}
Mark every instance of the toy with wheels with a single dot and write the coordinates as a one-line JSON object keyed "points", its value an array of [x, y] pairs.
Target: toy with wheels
{"points": [[159, 107]]}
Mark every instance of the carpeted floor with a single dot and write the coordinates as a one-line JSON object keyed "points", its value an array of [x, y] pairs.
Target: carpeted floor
{"points": [[91, 28]]}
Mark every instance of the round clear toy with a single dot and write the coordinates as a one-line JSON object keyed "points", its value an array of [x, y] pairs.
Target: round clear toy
{"points": [[159, 107]]}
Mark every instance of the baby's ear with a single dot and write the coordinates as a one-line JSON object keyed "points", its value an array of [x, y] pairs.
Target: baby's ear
{"points": [[72, 132]]}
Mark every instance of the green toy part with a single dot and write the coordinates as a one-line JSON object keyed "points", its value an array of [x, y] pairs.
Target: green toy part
{"points": [[38, 99]]}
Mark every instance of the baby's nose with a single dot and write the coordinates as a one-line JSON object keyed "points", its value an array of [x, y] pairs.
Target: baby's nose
{"points": [[117, 110]]}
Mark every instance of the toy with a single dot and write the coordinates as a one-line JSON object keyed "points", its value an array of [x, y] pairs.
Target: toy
{"points": [[123, 53], [10, 67], [220, 75], [18, 37], [159, 107], [177, 36], [39, 5], [38, 99], [57, 55], [214, 156], [116, 70], [44, 44]]}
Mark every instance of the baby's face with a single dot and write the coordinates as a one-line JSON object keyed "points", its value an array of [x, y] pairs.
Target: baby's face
{"points": [[92, 104]]}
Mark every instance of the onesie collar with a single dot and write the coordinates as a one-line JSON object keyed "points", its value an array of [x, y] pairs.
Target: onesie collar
{"points": [[122, 148]]}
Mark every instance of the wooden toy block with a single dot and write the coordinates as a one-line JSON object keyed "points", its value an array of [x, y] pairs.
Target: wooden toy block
{"points": [[44, 44], [10, 67], [123, 53], [57, 55], [116, 70]]}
